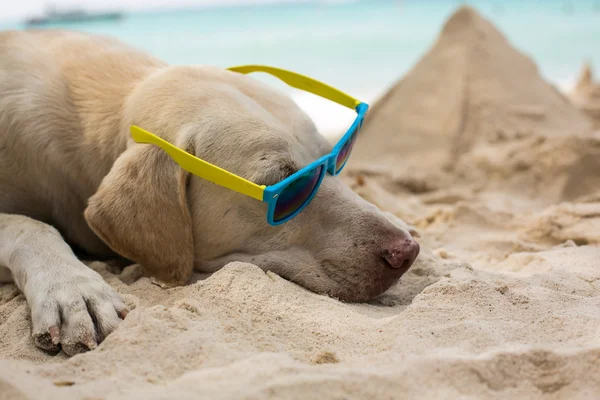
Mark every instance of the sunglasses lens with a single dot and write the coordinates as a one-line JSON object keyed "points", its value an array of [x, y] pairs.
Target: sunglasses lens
{"points": [[346, 149], [296, 194]]}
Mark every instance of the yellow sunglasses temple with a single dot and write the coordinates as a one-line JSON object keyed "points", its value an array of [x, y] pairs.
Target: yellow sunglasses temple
{"points": [[219, 176], [198, 167], [302, 82]]}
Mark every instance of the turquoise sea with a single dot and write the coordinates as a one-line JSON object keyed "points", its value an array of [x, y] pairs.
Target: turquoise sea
{"points": [[361, 47]]}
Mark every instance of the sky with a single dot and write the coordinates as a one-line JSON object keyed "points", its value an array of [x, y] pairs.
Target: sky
{"points": [[18, 9]]}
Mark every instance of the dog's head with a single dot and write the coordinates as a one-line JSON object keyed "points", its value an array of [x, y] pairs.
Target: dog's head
{"points": [[151, 211]]}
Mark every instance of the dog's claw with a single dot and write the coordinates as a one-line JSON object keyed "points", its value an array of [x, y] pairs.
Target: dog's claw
{"points": [[90, 343], [123, 313], [46, 342], [54, 335]]}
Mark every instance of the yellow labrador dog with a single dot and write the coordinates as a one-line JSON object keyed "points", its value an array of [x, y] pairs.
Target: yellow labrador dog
{"points": [[72, 178]]}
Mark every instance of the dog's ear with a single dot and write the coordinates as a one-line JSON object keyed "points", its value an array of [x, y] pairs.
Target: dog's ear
{"points": [[140, 210]]}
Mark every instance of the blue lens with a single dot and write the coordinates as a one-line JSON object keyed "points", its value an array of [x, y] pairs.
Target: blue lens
{"points": [[296, 194], [347, 149]]}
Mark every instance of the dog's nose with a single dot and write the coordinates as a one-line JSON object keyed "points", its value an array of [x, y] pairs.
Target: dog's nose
{"points": [[401, 253]]}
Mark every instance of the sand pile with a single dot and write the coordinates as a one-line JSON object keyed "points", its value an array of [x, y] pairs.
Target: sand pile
{"points": [[499, 175], [471, 87], [586, 94]]}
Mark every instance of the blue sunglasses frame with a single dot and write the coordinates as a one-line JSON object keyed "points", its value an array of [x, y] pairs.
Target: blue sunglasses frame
{"points": [[328, 162]]}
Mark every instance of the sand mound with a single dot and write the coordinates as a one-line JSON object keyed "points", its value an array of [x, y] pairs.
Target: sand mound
{"points": [[472, 86], [586, 94], [229, 337], [504, 301], [475, 115]]}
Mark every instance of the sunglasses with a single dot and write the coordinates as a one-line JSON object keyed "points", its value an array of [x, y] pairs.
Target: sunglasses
{"points": [[289, 197]]}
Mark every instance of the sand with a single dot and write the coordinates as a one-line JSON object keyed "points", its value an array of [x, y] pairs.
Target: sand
{"points": [[586, 94], [499, 175]]}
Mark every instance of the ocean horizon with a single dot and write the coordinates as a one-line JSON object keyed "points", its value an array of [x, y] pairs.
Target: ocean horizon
{"points": [[361, 47]]}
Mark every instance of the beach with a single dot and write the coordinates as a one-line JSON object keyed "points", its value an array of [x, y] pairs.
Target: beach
{"points": [[494, 169], [359, 46]]}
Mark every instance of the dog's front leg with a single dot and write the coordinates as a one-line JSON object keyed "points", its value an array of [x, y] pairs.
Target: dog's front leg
{"points": [[71, 305]]}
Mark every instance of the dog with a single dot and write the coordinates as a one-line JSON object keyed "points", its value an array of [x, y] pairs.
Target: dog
{"points": [[73, 181]]}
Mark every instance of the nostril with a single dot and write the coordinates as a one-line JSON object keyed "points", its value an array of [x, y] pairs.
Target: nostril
{"points": [[397, 260], [406, 264], [401, 254]]}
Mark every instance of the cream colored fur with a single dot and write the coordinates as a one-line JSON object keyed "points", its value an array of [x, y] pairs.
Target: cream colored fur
{"points": [[69, 173]]}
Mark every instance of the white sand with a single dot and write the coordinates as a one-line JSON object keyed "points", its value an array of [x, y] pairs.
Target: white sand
{"points": [[500, 176]]}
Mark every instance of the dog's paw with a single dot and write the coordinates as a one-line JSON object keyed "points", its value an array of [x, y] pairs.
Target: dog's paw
{"points": [[75, 309]]}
